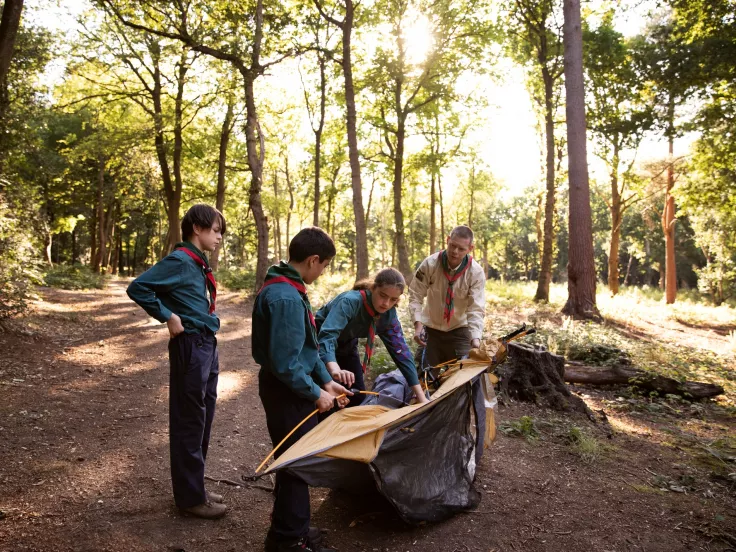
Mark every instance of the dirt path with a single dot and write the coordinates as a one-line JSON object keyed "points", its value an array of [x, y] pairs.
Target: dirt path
{"points": [[84, 457]]}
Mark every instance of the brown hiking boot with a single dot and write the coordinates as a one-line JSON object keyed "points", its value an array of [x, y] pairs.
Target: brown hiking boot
{"points": [[214, 497], [208, 510]]}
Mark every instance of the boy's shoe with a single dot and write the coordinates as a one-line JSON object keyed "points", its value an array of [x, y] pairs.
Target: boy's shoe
{"points": [[303, 544], [208, 510], [214, 497]]}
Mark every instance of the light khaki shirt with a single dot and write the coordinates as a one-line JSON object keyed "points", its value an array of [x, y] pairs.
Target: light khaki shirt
{"points": [[430, 282]]}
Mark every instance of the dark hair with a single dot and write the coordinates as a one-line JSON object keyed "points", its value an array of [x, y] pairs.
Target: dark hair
{"points": [[203, 216], [311, 241], [463, 232], [386, 277]]}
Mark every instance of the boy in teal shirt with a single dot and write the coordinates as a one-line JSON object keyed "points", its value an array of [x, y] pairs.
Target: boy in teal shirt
{"points": [[292, 380], [181, 291]]}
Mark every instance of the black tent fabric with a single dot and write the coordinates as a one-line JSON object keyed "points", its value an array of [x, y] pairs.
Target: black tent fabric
{"points": [[425, 464]]}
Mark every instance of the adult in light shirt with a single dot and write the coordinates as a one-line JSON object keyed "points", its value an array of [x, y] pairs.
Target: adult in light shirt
{"points": [[447, 300]]}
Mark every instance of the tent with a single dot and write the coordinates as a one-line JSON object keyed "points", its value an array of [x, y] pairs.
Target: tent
{"points": [[422, 458]]}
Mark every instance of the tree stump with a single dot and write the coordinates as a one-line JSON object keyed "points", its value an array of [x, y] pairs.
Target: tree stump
{"points": [[535, 375]]}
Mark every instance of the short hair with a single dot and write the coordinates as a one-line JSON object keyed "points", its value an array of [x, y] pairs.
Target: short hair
{"points": [[203, 216], [386, 277], [311, 241], [463, 232]]}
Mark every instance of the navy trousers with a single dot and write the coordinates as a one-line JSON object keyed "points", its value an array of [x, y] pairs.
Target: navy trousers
{"points": [[192, 396], [284, 410]]}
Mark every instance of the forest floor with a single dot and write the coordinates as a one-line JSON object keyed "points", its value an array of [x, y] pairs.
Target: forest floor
{"points": [[84, 455]]}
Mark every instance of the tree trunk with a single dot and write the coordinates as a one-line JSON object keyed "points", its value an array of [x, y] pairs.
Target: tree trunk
{"points": [[398, 181], [627, 375], [277, 216], [668, 220], [9, 24], [101, 223], [256, 148], [290, 186], [175, 200], [545, 270], [442, 209], [227, 127], [432, 217], [536, 376], [616, 217], [361, 240], [318, 137], [581, 302], [472, 196]]}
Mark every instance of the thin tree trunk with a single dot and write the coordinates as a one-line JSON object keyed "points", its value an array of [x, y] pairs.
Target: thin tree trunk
{"points": [[74, 245], [545, 270], [225, 132], [581, 301], [398, 181], [616, 216], [432, 217], [290, 186], [101, 225], [472, 196], [442, 208], [175, 201], [318, 137], [628, 269], [277, 215], [668, 219]]}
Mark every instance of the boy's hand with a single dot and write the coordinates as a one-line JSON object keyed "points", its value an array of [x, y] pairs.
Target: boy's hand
{"points": [[174, 325], [345, 377], [324, 403], [335, 389], [418, 327]]}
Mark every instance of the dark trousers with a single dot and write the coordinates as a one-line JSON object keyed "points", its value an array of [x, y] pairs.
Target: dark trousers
{"points": [[192, 396], [444, 346], [284, 410]]}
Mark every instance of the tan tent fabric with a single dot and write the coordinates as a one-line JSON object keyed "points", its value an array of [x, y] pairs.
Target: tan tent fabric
{"points": [[356, 433]]}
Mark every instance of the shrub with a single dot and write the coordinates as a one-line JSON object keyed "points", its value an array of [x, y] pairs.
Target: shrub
{"points": [[73, 277]]}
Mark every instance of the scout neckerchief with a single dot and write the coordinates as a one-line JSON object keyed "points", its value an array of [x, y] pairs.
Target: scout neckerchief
{"points": [[451, 279], [199, 258], [284, 273], [371, 331]]}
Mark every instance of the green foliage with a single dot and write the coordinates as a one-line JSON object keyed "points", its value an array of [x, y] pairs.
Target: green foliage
{"points": [[19, 266], [523, 427], [236, 279], [73, 277]]}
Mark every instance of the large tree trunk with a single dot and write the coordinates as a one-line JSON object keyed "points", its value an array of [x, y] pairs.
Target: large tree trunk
{"points": [[9, 24], [581, 302], [668, 220], [361, 240], [227, 126], [616, 216], [536, 376], [256, 148], [397, 185], [545, 272]]}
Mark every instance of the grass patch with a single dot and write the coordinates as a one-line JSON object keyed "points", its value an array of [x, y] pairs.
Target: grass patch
{"points": [[587, 447], [73, 277]]}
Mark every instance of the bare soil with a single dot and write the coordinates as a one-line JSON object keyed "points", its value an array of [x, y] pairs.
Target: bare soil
{"points": [[84, 456]]}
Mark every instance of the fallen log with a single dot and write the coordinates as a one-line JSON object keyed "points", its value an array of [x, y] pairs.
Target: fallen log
{"points": [[617, 374]]}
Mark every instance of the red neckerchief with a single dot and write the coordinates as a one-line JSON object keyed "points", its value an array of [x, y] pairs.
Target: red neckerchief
{"points": [[211, 284], [371, 331], [297, 286], [450, 295]]}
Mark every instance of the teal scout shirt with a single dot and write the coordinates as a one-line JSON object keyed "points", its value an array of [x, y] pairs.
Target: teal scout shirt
{"points": [[176, 284], [283, 340], [345, 318]]}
